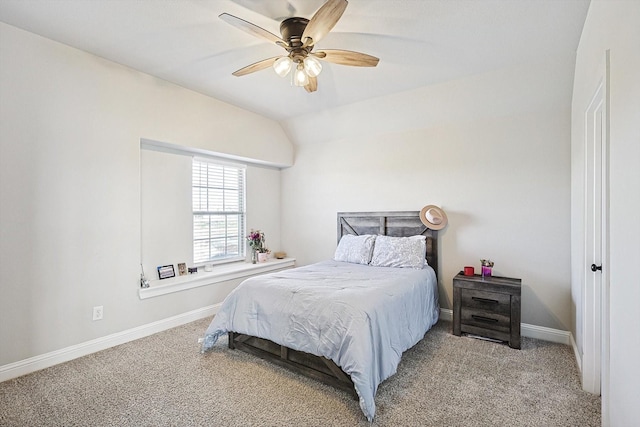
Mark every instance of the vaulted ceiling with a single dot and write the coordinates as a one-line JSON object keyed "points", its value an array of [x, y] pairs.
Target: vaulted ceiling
{"points": [[419, 42]]}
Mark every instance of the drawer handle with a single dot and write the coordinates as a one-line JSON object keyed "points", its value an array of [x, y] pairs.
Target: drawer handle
{"points": [[484, 319], [486, 300]]}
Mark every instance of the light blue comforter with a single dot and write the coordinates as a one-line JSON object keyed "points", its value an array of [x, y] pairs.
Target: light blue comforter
{"points": [[361, 317]]}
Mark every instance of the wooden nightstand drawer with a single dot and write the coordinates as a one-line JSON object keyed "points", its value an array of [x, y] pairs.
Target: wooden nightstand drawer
{"points": [[488, 307], [484, 300], [486, 319]]}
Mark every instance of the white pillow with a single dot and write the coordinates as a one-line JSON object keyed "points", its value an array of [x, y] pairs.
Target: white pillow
{"points": [[403, 252], [355, 249]]}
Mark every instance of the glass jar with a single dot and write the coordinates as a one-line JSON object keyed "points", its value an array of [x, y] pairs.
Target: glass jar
{"points": [[486, 271]]}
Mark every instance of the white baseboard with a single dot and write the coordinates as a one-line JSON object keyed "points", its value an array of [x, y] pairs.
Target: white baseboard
{"points": [[36, 363], [446, 314], [530, 331], [546, 334], [576, 353]]}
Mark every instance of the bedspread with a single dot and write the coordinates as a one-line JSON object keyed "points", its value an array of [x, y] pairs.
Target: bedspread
{"points": [[361, 317]]}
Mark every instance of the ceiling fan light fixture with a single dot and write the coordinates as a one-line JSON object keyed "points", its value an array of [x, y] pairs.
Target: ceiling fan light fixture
{"points": [[312, 66], [300, 77], [299, 37], [282, 66]]}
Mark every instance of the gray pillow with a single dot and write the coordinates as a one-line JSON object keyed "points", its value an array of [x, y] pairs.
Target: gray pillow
{"points": [[355, 249], [403, 252]]}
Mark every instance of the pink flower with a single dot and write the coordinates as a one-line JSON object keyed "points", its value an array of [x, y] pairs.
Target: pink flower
{"points": [[256, 241]]}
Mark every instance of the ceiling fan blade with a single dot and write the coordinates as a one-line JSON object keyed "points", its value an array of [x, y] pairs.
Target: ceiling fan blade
{"points": [[257, 66], [252, 29], [347, 57], [323, 21], [312, 86]]}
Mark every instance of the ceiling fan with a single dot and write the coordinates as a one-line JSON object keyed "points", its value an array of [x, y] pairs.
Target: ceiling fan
{"points": [[299, 36]]}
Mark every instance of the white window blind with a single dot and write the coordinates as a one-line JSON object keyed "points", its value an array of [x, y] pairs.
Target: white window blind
{"points": [[218, 197]]}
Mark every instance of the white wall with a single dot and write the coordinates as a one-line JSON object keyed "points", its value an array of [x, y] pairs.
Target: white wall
{"points": [[493, 150], [165, 210], [70, 189], [614, 26]]}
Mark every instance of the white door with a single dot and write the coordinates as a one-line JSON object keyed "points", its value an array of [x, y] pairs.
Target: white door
{"points": [[595, 292]]}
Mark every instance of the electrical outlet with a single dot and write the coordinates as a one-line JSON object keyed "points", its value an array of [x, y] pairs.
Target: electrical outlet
{"points": [[97, 312]]}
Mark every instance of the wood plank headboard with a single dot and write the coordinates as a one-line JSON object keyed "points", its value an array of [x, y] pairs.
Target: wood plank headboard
{"points": [[398, 224]]}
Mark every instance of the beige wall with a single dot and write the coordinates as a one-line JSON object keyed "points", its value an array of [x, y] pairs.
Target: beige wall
{"points": [[70, 189], [613, 26], [493, 150]]}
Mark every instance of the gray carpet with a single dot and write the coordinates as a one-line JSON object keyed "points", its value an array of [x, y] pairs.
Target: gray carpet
{"points": [[163, 380]]}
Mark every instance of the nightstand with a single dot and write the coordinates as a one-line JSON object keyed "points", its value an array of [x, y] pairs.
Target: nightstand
{"points": [[489, 307]]}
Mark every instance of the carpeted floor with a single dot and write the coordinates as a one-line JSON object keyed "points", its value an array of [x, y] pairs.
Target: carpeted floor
{"points": [[163, 380]]}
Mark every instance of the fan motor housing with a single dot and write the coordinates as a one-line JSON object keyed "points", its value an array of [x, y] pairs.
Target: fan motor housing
{"points": [[292, 30]]}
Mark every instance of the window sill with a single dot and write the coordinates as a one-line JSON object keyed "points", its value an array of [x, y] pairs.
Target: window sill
{"points": [[221, 273]]}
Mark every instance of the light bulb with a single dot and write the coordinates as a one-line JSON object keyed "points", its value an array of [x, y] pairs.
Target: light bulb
{"points": [[312, 66], [282, 66], [300, 78]]}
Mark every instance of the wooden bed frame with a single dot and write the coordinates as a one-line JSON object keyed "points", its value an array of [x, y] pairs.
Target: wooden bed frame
{"points": [[399, 224]]}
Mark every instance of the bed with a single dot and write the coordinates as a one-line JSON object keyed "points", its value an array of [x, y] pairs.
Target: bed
{"points": [[344, 321]]}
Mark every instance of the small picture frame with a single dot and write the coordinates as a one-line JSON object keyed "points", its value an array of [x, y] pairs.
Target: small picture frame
{"points": [[166, 271], [192, 270], [182, 269]]}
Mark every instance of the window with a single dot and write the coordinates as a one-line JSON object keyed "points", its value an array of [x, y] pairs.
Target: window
{"points": [[218, 191]]}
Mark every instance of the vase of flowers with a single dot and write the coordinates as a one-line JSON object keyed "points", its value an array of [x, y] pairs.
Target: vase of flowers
{"points": [[487, 265], [259, 249]]}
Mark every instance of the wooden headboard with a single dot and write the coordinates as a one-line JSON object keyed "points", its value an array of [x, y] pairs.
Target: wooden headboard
{"points": [[398, 224]]}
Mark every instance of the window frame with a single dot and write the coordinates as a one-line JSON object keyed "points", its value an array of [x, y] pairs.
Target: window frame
{"points": [[220, 189]]}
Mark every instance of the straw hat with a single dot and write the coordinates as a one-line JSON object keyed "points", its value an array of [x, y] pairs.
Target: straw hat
{"points": [[433, 217]]}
